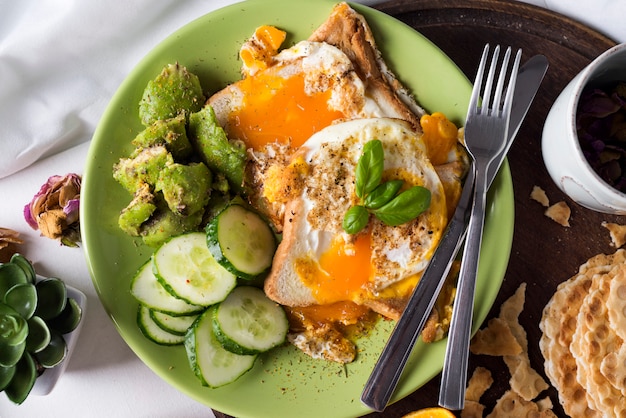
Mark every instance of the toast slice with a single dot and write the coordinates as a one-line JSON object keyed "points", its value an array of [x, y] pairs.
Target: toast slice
{"points": [[317, 262]]}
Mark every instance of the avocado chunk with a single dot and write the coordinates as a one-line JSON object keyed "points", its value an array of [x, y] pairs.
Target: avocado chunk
{"points": [[216, 150], [186, 188], [174, 91], [143, 166], [164, 224], [169, 132], [138, 211]]}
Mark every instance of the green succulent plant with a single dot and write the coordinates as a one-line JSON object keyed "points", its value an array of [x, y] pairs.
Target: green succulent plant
{"points": [[34, 315]]}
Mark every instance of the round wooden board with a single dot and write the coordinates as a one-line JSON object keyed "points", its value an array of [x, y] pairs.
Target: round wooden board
{"points": [[544, 253]]}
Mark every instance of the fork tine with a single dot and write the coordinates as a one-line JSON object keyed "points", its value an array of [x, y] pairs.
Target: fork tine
{"points": [[490, 76], [508, 100], [497, 97], [473, 104]]}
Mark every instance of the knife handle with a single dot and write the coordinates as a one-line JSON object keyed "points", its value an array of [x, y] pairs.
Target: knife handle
{"points": [[387, 371]]}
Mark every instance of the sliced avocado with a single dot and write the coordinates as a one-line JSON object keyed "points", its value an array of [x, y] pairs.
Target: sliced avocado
{"points": [[186, 188], [218, 152], [171, 133], [174, 91]]}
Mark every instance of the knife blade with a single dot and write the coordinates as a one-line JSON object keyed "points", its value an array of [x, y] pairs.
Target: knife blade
{"points": [[384, 378]]}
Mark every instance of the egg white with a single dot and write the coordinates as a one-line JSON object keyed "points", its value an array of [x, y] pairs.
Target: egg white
{"points": [[332, 155]]}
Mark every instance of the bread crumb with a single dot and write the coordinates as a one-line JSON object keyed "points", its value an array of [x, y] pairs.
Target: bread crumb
{"points": [[539, 195], [559, 213], [617, 232]]}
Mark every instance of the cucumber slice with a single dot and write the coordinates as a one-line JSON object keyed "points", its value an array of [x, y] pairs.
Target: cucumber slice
{"points": [[210, 362], [149, 292], [185, 267], [153, 332], [177, 325], [241, 241], [248, 322]]}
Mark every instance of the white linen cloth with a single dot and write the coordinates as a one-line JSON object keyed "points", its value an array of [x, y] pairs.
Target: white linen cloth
{"points": [[60, 63]]}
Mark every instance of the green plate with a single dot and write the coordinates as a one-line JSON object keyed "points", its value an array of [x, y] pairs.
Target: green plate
{"points": [[283, 382]]}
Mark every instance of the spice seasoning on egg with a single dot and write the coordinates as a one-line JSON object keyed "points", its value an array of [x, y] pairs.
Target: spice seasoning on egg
{"points": [[601, 127]]}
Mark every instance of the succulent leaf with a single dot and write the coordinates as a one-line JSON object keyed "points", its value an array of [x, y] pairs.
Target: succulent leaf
{"points": [[52, 296], [54, 353], [11, 354], [10, 275], [6, 375], [39, 335], [25, 265], [68, 320], [13, 328], [23, 381], [22, 298]]}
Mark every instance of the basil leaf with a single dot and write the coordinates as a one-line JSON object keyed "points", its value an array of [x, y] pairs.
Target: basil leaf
{"points": [[369, 169], [405, 207], [382, 194], [355, 219]]}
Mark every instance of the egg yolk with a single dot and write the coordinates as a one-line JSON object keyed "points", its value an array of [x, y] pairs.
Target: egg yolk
{"points": [[342, 271], [345, 313], [279, 109], [440, 136], [257, 53]]}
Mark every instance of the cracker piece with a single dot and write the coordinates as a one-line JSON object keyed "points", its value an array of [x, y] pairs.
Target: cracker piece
{"points": [[559, 213], [616, 304], [613, 368], [596, 341], [539, 195], [617, 233], [545, 404], [480, 381], [558, 324], [9, 239], [511, 405], [606, 260], [525, 380], [577, 347], [495, 340], [473, 409], [478, 384]]}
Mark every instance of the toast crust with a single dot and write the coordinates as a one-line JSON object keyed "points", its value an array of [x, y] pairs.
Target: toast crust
{"points": [[349, 31]]}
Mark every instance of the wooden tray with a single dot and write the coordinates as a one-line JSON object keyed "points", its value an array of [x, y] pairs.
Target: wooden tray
{"points": [[544, 253]]}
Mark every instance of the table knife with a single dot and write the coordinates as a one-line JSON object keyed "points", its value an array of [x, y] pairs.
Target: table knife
{"points": [[387, 371]]}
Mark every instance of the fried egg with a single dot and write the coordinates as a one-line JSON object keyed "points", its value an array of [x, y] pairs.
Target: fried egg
{"points": [[294, 94], [319, 263], [287, 95]]}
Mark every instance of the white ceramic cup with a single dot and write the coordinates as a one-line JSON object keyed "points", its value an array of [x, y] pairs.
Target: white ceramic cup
{"points": [[561, 150]]}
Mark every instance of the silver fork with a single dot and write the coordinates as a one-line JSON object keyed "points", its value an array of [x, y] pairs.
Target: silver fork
{"points": [[486, 130]]}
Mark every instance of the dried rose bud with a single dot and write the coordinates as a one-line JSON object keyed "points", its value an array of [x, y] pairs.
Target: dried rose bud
{"points": [[54, 209]]}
